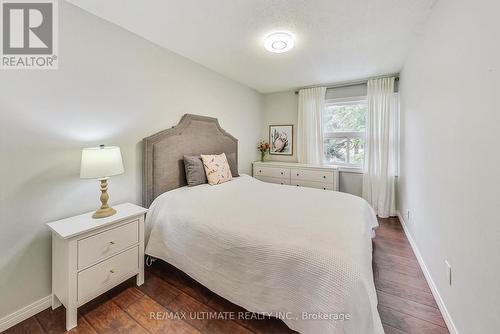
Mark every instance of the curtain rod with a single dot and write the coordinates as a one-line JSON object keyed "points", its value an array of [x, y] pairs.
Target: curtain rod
{"points": [[351, 83]]}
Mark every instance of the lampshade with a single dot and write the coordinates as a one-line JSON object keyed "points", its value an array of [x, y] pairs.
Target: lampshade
{"points": [[99, 162]]}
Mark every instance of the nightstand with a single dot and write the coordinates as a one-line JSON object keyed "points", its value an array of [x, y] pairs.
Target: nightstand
{"points": [[91, 256]]}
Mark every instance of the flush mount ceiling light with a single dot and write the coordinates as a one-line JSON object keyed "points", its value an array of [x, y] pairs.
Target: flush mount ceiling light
{"points": [[279, 42]]}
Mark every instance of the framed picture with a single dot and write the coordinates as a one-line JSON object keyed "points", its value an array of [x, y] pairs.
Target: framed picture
{"points": [[281, 139]]}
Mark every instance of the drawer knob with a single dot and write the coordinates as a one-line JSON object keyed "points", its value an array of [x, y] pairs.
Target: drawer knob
{"points": [[281, 173], [297, 174], [324, 188], [260, 171], [112, 271], [112, 243], [297, 185], [324, 176]]}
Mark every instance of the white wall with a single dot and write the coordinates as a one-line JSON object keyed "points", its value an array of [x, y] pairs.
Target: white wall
{"points": [[449, 179], [351, 182], [112, 87], [281, 109]]}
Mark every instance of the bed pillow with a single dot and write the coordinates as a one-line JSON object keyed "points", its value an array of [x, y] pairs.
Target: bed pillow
{"points": [[216, 168], [195, 172], [233, 166]]}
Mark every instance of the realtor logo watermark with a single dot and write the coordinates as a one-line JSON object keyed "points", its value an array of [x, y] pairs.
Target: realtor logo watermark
{"points": [[29, 37]]}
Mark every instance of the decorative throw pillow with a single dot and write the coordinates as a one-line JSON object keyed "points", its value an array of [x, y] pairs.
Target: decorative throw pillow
{"points": [[195, 172], [216, 168], [233, 165]]}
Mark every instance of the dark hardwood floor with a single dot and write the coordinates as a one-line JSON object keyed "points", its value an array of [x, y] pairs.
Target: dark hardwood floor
{"points": [[406, 304], [405, 301]]}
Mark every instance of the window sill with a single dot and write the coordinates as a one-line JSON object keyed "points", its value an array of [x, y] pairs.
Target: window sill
{"points": [[347, 169], [353, 170]]}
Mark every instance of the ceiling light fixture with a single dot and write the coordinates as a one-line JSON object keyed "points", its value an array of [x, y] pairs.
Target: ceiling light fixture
{"points": [[279, 42]]}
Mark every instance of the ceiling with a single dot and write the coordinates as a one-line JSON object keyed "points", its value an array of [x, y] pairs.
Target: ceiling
{"points": [[336, 40]]}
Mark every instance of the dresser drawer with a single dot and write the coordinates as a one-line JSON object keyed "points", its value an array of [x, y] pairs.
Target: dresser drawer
{"points": [[312, 175], [271, 171], [273, 180], [100, 277], [311, 184], [107, 243]]}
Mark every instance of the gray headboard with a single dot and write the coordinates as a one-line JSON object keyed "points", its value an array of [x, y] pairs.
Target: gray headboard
{"points": [[164, 151]]}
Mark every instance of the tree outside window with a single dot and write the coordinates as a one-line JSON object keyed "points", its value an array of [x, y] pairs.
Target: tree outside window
{"points": [[344, 125]]}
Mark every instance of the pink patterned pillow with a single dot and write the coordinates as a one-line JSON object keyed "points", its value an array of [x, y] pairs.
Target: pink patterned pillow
{"points": [[216, 168]]}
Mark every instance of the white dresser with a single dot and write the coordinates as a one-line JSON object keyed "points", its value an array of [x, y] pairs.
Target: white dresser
{"points": [[90, 256], [295, 174]]}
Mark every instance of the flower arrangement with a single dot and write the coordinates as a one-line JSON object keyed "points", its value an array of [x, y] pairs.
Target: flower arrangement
{"points": [[263, 147]]}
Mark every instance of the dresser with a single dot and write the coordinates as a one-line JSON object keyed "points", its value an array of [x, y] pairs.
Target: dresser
{"points": [[91, 256], [298, 175]]}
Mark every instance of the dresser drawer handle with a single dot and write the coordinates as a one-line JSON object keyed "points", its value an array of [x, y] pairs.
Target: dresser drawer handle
{"points": [[260, 171], [112, 271], [324, 188], [297, 174], [112, 243], [324, 176], [281, 173]]}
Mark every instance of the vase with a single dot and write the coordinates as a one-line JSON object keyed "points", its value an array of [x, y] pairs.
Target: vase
{"points": [[262, 156]]}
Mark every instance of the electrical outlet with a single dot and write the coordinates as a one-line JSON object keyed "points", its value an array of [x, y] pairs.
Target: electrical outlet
{"points": [[448, 272]]}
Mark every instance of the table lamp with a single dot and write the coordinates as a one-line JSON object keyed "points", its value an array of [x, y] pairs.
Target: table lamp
{"points": [[101, 163]]}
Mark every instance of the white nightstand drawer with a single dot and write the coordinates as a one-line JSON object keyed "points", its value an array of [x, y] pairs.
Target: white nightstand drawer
{"points": [[271, 172], [312, 175], [99, 246], [273, 179], [310, 184], [100, 277]]}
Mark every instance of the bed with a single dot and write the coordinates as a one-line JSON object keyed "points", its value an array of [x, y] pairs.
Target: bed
{"points": [[301, 254]]}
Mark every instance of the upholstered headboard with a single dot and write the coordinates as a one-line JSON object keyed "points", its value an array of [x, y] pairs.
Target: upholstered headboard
{"points": [[164, 151]]}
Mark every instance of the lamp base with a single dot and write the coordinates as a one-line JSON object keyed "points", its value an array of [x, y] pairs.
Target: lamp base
{"points": [[103, 213], [105, 210]]}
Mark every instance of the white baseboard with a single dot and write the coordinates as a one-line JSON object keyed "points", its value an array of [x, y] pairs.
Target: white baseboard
{"points": [[24, 313], [442, 307]]}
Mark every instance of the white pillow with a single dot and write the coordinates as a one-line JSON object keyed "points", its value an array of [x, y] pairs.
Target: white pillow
{"points": [[216, 168]]}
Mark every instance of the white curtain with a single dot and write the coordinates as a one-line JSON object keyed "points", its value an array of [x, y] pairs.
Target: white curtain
{"points": [[381, 148], [310, 125]]}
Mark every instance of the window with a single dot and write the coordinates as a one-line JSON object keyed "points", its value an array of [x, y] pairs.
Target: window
{"points": [[344, 124]]}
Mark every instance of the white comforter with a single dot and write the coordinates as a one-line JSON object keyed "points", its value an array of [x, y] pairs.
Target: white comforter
{"points": [[272, 248]]}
